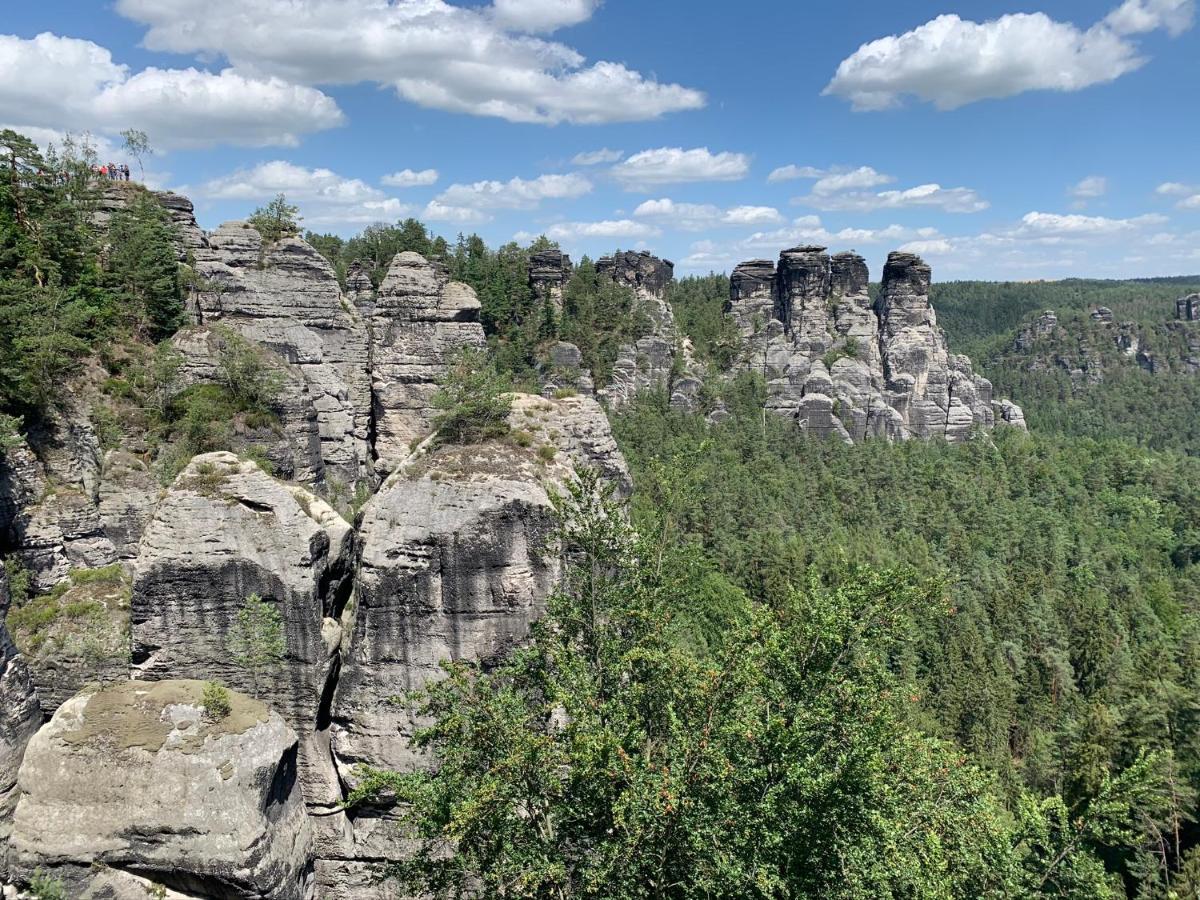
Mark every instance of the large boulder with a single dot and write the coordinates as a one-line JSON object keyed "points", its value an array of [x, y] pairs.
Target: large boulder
{"points": [[227, 530], [20, 718], [139, 779], [420, 320]]}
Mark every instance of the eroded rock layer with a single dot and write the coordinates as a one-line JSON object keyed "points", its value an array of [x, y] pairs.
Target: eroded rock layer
{"points": [[844, 366], [420, 320], [139, 779], [20, 717]]}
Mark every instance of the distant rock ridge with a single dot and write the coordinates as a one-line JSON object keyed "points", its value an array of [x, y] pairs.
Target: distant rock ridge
{"points": [[841, 365], [1090, 349]]}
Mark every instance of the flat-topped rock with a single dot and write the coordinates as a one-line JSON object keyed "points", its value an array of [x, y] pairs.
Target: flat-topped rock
{"points": [[138, 778]]}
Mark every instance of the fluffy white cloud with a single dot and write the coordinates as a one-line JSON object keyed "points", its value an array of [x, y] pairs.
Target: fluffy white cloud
{"points": [[611, 228], [793, 173], [433, 53], [324, 197], [597, 157], [543, 15], [1175, 189], [708, 255], [1142, 16], [1090, 188], [1188, 194], [516, 193], [1053, 227], [862, 178], [437, 211], [408, 178], [1047, 245], [699, 216], [951, 62], [57, 82], [951, 200], [849, 190], [674, 165]]}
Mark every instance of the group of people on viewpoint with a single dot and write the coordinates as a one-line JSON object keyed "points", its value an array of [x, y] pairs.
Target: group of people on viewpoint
{"points": [[112, 172]]}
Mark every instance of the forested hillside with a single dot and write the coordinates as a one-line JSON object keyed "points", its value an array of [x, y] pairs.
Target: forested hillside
{"points": [[753, 663], [1125, 376]]}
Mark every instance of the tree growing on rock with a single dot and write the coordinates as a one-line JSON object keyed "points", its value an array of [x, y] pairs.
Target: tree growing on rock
{"points": [[137, 145], [257, 640], [472, 401], [277, 220]]}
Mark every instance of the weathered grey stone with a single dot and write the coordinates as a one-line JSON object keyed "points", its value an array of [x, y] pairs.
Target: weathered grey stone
{"points": [[20, 718], [457, 561], [117, 196], [86, 642], [136, 778], [578, 428], [285, 296], [549, 272], [293, 446], [421, 319], [128, 494], [1188, 308], [842, 366], [48, 497], [224, 531], [661, 357]]}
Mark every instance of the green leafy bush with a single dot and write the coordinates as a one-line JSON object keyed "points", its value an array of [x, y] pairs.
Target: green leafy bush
{"points": [[215, 700], [472, 401]]}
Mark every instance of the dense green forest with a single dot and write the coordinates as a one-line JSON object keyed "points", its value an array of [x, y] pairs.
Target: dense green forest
{"points": [[795, 668]]}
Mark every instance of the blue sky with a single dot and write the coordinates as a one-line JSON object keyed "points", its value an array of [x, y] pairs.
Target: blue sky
{"points": [[999, 139]]}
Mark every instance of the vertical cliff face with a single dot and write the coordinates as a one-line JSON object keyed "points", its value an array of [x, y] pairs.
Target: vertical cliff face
{"points": [[285, 298], [419, 321], [841, 365], [549, 272], [661, 358], [20, 718]]}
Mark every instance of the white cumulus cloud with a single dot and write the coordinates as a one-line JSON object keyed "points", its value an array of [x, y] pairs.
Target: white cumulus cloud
{"points": [[543, 15], [1056, 227], [951, 61], [516, 193], [699, 216], [597, 157], [408, 178], [324, 197], [65, 83], [674, 165], [793, 173], [478, 60], [610, 228], [1090, 188]]}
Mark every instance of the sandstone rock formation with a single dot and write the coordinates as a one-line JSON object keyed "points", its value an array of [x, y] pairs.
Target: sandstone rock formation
{"points": [[421, 319], [549, 272], [285, 297], [78, 635], [137, 778], [227, 530], [20, 718], [49, 513], [661, 358], [457, 561], [563, 370], [841, 365], [1187, 308]]}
